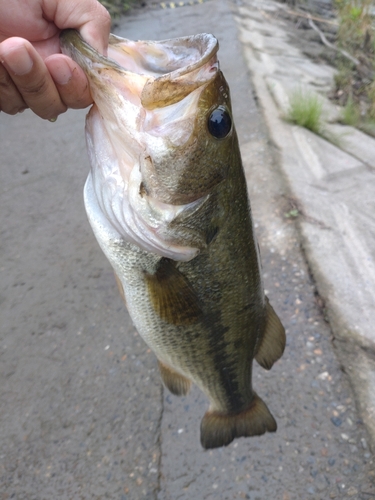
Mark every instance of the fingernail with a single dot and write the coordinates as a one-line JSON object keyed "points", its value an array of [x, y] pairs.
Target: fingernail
{"points": [[62, 74], [18, 60]]}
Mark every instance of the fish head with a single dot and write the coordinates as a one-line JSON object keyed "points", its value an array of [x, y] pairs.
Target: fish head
{"points": [[189, 142], [160, 130]]}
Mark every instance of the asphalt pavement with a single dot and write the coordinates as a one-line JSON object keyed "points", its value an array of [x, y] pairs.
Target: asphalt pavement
{"points": [[83, 414]]}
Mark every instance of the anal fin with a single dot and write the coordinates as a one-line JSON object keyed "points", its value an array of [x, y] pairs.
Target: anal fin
{"points": [[272, 344], [218, 429], [176, 383]]}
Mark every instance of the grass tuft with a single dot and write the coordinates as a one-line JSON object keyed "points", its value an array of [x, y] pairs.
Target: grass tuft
{"points": [[351, 114], [305, 109]]}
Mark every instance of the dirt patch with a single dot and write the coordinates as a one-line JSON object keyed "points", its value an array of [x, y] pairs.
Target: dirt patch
{"points": [[309, 24], [305, 37]]}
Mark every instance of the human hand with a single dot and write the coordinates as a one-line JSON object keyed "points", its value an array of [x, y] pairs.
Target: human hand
{"points": [[33, 72]]}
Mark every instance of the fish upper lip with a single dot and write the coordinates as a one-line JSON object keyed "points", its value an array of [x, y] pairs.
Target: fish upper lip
{"points": [[205, 44], [160, 73]]}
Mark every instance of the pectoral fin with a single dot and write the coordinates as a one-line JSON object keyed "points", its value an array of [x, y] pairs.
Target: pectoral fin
{"points": [[218, 429], [176, 383], [272, 344], [172, 295]]}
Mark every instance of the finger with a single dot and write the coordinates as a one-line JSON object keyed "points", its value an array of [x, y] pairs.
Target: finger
{"points": [[70, 81], [11, 101], [96, 30], [31, 77], [88, 16]]}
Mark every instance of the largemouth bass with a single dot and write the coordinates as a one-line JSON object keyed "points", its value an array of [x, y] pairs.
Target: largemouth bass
{"points": [[167, 200]]}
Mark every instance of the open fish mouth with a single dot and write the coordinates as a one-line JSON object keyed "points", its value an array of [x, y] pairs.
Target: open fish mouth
{"points": [[151, 74], [173, 68], [146, 97]]}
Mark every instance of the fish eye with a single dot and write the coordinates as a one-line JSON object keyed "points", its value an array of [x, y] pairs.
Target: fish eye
{"points": [[219, 122]]}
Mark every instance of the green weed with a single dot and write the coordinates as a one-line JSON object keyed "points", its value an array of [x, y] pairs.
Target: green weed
{"points": [[351, 114], [355, 25], [305, 109], [355, 13], [354, 83]]}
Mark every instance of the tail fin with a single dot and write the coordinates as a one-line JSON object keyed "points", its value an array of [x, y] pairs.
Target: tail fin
{"points": [[176, 383], [218, 429]]}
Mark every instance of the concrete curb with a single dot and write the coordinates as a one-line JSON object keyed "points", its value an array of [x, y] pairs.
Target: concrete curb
{"points": [[332, 186]]}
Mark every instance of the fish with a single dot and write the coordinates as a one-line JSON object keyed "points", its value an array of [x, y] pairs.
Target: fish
{"points": [[167, 200]]}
